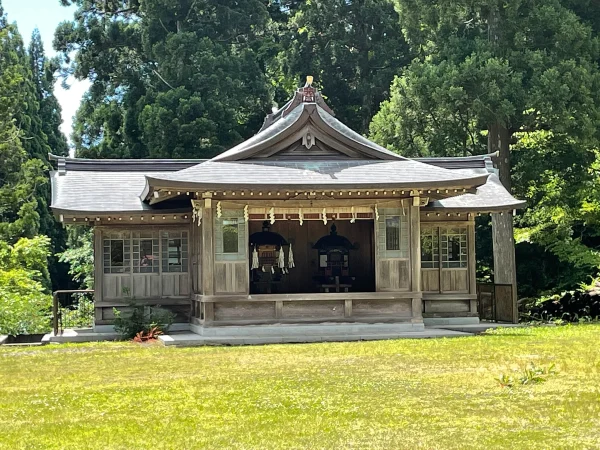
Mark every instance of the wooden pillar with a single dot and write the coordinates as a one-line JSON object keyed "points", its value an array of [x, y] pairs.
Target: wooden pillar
{"points": [[208, 256], [472, 263], [415, 258], [505, 267], [98, 273]]}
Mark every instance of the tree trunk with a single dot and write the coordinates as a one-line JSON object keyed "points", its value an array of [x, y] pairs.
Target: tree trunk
{"points": [[505, 269]]}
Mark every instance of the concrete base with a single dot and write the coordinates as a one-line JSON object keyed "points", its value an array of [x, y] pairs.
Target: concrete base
{"points": [[284, 333], [193, 339], [318, 329], [111, 329], [435, 321], [3, 338], [80, 335]]}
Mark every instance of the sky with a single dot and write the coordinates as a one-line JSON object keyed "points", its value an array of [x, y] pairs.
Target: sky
{"points": [[46, 15]]}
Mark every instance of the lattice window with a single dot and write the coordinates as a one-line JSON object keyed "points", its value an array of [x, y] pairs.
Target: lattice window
{"points": [[392, 233], [146, 252], [230, 236], [174, 251], [430, 247], [117, 252], [454, 247]]}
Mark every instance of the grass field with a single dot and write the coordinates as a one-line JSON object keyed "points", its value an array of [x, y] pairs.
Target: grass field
{"points": [[430, 394]]}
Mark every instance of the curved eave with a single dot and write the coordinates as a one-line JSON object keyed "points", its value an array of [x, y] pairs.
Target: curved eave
{"points": [[157, 183], [489, 197], [475, 209]]}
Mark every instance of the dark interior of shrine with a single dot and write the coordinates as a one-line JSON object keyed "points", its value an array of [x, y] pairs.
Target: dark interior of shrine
{"points": [[336, 257]]}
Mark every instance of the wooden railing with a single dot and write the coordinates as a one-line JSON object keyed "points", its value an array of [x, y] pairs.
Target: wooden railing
{"points": [[72, 313]]}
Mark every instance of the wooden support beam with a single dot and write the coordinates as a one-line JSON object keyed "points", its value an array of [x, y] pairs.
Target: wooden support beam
{"points": [[415, 259], [348, 308], [98, 265], [471, 261], [505, 268], [208, 253]]}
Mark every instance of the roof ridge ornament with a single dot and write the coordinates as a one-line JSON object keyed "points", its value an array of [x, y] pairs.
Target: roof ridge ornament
{"points": [[309, 93]]}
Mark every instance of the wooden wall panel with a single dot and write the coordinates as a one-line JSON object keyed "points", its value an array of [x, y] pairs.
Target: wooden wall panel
{"points": [[175, 285], [455, 280], [447, 306], [394, 308], [312, 310], [244, 310], [430, 280], [113, 285], [231, 277], [393, 275]]}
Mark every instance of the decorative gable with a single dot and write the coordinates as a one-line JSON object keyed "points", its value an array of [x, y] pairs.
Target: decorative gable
{"points": [[305, 129]]}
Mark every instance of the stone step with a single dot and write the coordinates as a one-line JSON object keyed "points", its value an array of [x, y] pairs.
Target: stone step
{"points": [[320, 329], [192, 339]]}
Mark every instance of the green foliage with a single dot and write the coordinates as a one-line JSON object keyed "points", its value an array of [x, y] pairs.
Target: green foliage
{"points": [[80, 255], [531, 71], [29, 122], [170, 79], [24, 301], [143, 319], [531, 374], [81, 315], [353, 48]]}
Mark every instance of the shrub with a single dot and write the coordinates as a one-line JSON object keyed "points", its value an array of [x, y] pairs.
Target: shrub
{"points": [[80, 315], [25, 304], [142, 319]]}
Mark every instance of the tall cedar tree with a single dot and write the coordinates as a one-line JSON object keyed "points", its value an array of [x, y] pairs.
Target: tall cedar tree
{"points": [[170, 78], [24, 187], [352, 48], [49, 115], [520, 75]]}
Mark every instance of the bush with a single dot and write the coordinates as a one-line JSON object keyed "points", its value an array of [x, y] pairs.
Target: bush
{"points": [[25, 304], [571, 306], [79, 315], [142, 319]]}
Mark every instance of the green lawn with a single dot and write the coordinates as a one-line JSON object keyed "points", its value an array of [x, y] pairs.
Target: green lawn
{"points": [[430, 394]]}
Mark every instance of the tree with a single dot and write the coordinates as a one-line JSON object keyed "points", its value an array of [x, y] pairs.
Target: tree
{"points": [[24, 184], [169, 78], [24, 302], [353, 48], [49, 109], [19, 177], [47, 117], [506, 72]]}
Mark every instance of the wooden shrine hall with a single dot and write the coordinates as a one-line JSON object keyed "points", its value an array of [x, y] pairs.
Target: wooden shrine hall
{"points": [[307, 222]]}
